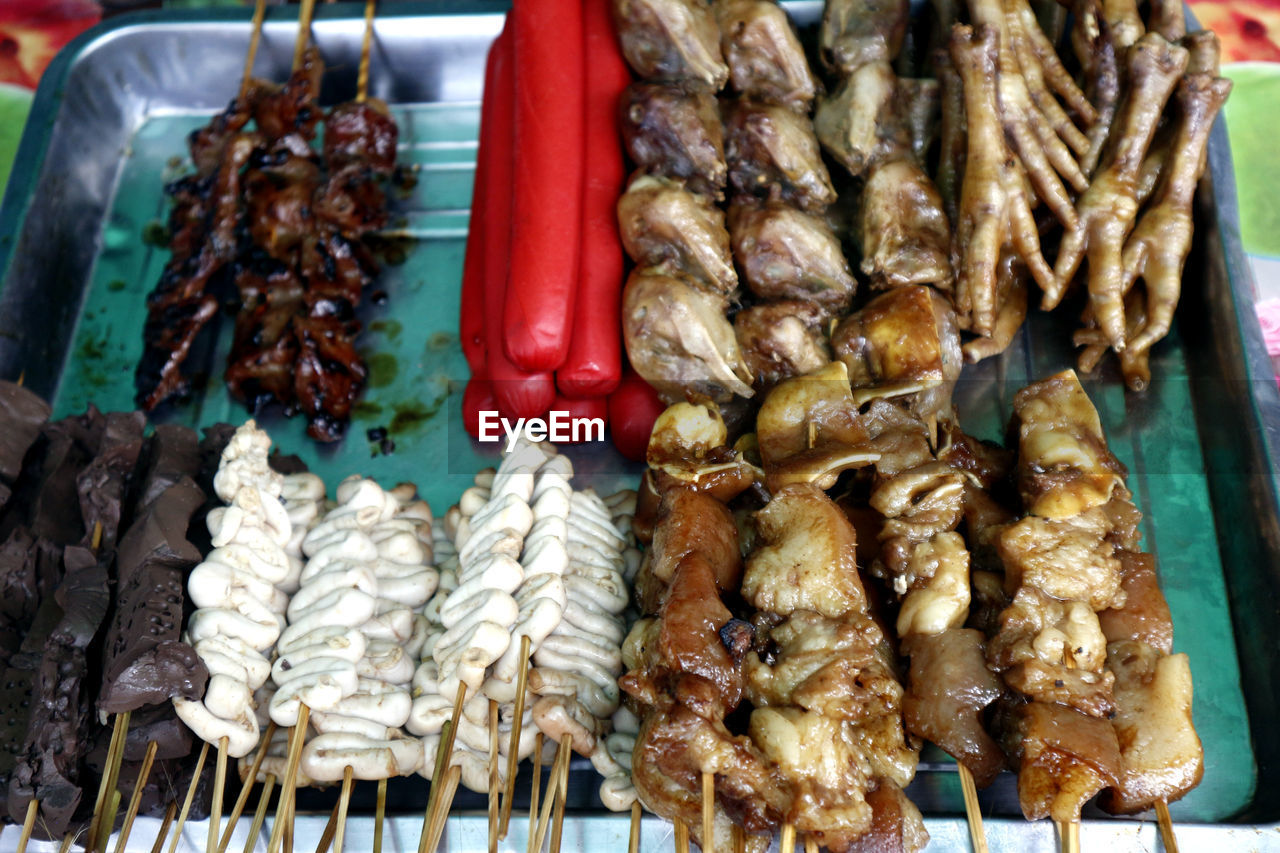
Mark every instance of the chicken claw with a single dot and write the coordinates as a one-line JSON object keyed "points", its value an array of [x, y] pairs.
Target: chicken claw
{"points": [[1159, 245], [1107, 209], [994, 208]]}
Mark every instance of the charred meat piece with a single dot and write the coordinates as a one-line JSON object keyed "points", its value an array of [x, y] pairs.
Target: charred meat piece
{"points": [[774, 156], [667, 227], [781, 340], [674, 130], [785, 253], [679, 341], [264, 349], [329, 374], [294, 107], [672, 40], [352, 201], [361, 133], [766, 60]]}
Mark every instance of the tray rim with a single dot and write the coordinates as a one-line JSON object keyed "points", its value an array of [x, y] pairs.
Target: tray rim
{"points": [[1262, 418]]}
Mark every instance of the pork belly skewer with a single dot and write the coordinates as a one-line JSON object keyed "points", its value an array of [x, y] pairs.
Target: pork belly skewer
{"points": [[1123, 669]]}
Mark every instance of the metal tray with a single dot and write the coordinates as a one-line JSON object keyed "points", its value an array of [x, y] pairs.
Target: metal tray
{"points": [[108, 127]]}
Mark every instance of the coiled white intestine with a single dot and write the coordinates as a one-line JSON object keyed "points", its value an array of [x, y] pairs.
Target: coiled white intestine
{"points": [[353, 631], [236, 589]]}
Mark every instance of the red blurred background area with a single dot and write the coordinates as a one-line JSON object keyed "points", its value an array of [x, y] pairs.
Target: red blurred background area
{"points": [[32, 32], [1249, 29]]}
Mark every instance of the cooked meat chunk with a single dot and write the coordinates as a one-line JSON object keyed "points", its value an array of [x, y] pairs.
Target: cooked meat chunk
{"points": [[785, 253], [667, 227], [782, 339], [837, 668], [766, 60], [856, 32], [1053, 651], [1066, 467], [860, 123], [671, 40], [1160, 754], [679, 341], [1145, 614], [774, 156], [692, 522], [1068, 559], [1065, 757], [806, 559], [902, 227], [674, 130], [950, 687], [896, 823]]}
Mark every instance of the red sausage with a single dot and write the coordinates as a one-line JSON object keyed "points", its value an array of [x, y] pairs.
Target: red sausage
{"points": [[518, 393], [590, 408], [471, 309], [547, 204], [633, 408], [477, 398], [594, 364]]}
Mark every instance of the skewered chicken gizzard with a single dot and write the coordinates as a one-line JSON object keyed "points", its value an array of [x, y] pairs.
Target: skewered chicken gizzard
{"points": [[962, 182]]}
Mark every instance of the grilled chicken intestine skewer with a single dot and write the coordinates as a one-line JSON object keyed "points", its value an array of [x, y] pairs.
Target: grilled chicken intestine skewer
{"points": [[363, 730], [508, 532], [240, 611], [577, 666]]}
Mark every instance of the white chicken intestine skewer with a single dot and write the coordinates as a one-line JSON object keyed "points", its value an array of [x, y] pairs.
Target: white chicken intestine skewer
{"points": [[510, 534], [578, 664], [371, 554], [617, 791], [240, 609]]}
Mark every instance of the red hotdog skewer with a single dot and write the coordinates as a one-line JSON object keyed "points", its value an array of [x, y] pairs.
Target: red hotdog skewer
{"points": [[547, 198], [518, 393], [594, 364]]}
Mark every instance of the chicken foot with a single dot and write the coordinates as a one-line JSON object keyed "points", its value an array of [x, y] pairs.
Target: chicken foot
{"points": [[1107, 209], [994, 207]]}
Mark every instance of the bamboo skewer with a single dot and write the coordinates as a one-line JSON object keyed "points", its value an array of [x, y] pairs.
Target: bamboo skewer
{"points": [[169, 814], [513, 753], [810, 845], [215, 810], [495, 781], [305, 10], [972, 810], [633, 843], [562, 792], [442, 816], [191, 793], [289, 786], [380, 813], [66, 843], [444, 756], [537, 785], [708, 811], [260, 814], [259, 12], [344, 801], [250, 780], [28, 824], [1069, 834], [135, 801], [362, 78], [682, 837], [1165, 821], [739, 839], [544, 817], [787, 844], [330, 830]]}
